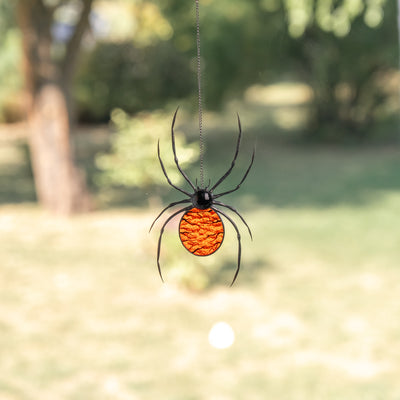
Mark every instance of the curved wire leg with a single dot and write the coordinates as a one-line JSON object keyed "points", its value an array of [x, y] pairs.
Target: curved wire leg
{"points": [[166, 208], [234, 157], [174, 151], [160, 237], [165, 172], [239, 244], [237, 213], [244, 177]]}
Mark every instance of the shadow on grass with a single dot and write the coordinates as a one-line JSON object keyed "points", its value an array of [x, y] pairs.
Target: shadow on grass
{"points": [[283, 174], [286, 172], [16, 179], [300, 175], [287, 176], [248, 274]]}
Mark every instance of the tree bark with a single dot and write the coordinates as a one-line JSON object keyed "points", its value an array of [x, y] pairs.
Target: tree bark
{"points": [[60, 185]]}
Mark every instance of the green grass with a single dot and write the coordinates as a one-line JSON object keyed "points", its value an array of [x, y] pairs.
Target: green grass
{"points": [[83, 314]]}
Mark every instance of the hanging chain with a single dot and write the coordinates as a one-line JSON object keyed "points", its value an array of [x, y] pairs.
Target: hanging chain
{"points": [[201, 138]]}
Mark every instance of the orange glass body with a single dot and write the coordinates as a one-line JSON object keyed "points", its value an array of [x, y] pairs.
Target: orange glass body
{"points": [[201, 231]]}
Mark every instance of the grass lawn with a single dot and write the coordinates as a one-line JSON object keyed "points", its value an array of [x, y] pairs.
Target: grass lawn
{"points": [[315, 309]]}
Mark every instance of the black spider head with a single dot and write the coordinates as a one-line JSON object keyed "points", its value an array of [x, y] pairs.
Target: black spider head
{"points": [[202, 199]]}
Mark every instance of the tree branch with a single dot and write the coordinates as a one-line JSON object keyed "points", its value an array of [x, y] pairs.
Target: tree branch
{"points": [[34, 20], [71, 53]]}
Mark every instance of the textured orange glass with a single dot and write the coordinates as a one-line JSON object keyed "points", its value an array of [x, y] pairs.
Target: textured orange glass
{"points": [[201, 231]]}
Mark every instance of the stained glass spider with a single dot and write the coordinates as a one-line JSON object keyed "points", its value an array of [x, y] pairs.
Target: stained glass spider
{"points": [[201, 229]]}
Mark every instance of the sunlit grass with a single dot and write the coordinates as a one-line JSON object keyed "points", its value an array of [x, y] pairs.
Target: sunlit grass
{"points": [[84, 315]]}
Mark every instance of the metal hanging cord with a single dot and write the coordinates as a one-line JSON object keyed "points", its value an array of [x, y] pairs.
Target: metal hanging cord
{"points": [[201, 138]]}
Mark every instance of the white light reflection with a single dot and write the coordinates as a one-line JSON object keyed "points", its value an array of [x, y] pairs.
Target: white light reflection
{"points": [[221, 335]]}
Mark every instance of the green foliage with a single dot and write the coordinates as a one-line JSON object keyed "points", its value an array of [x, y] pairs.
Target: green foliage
{"points": [[7, 16], [353, 78], [133, 64], [121, 75], [10, 70], [332, 16], [346, 50], [132, 161], [241, 43]]}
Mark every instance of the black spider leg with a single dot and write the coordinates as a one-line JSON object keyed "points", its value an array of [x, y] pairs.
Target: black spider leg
{"points": [[239, 244], [166, 208], [165, 173], [160, 237], [237, 213], [244, 177], [234, 157], [174, 151]]}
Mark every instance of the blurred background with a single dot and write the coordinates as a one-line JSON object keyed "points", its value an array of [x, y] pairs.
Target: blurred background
{"points": [[87, 88]]}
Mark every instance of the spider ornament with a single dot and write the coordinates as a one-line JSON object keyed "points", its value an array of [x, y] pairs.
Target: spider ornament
{"points": [[201, 229]]}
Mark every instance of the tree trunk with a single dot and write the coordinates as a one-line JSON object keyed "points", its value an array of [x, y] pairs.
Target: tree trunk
{"points": [[60, 186]]}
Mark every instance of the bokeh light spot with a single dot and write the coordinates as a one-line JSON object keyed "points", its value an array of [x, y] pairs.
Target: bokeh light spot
{"points": [[221, 335]]}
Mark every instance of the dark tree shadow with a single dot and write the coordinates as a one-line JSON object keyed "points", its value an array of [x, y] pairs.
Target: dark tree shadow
{"points": [[16, 179], [248, 275], [284, 174]]}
